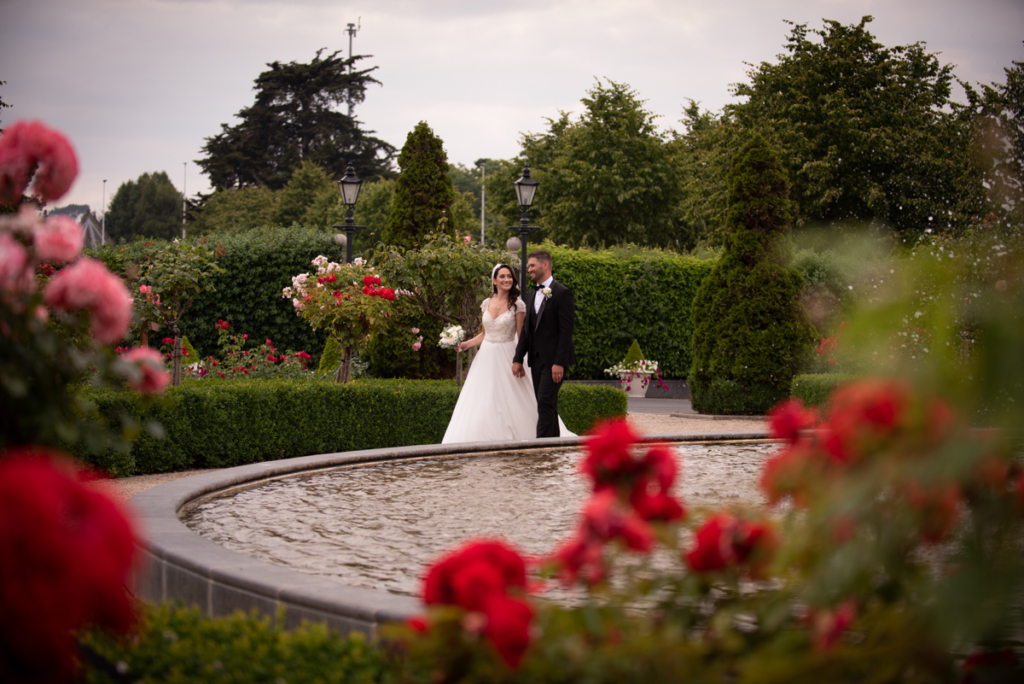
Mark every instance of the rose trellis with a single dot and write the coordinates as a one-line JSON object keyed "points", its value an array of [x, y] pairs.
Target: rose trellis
{"points": [[346, 300]]}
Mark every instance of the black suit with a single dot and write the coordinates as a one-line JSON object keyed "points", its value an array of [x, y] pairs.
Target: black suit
{"points": [[547, 340]]}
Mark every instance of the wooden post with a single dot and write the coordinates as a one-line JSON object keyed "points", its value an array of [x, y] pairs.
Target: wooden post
{"points": [[344, 373], [176, 366]]}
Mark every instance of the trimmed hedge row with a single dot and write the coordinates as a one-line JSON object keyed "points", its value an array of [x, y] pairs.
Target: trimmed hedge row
{"points": [[645, 296], [222, 424], [814, 389], [176, 644]]}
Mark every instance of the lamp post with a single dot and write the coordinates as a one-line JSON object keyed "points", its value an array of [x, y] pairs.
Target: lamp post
{"points": [[526, 188], [349, 187]]}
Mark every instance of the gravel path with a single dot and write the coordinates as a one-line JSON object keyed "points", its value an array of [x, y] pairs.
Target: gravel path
{"points": [[647, 423]]}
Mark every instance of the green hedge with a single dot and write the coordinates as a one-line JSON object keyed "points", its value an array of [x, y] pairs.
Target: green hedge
{"points": [[178, 645], [257, 265], [620, 297], [814, 389], [212, 424]]}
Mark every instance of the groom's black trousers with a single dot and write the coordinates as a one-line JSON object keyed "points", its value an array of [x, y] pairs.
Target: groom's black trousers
{"points": [[546, 390]]}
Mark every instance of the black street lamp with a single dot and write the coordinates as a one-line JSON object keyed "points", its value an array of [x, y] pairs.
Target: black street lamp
{"points": [[349, 187], [526, 188]]}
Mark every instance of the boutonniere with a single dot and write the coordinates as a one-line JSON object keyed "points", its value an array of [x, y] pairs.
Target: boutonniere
{"points": [[546, 292]]}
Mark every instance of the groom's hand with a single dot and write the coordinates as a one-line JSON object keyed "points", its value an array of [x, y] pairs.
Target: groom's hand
{"points": [[556, 373], [517, 370]]}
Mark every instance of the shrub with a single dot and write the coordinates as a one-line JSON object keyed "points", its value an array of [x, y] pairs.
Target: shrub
{"points": [[582, 406], [217, 424], [331, 357], [814, 389], [178, 644], [750, 331]]}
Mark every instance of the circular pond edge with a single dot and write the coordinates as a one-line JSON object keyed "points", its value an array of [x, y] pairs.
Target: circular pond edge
{"points": [[181, 566]]}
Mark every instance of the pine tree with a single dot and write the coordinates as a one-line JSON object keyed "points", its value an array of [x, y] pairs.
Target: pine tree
{"points": [[423, 192], [750, 330]]}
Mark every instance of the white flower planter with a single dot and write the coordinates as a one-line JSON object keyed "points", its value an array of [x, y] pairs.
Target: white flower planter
{"points": [[635, 383]]}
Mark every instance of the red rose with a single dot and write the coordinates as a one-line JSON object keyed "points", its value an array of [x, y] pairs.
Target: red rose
{"points": [[608, 459], [67, 551], [828, 625], [712, 550], [788, 418], [508, 628], [168, 340]]}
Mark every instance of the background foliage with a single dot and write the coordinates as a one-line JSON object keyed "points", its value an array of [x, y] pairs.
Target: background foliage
{"points": [[147, 207], [423, 192]]}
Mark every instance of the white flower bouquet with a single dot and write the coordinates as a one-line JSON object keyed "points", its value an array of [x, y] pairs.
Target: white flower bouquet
{"points": [[451, 337]]}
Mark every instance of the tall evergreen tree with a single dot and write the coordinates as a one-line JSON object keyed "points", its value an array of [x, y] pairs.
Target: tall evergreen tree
{"points": [[750, 330], [292, 121], [149, 206], [423, 192]]}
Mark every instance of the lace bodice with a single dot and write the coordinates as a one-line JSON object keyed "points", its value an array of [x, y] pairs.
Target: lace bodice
{"points": [[502, 328]]}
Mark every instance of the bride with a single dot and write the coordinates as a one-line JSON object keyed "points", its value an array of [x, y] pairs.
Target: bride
{"points": [[494, 405]]}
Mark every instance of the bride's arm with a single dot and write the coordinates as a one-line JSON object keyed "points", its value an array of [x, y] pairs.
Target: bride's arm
{"points": [[473, 342], [520, 317]]}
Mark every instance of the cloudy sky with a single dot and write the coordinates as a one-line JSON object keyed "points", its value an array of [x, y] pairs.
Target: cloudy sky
{"points": [[139, 84]]}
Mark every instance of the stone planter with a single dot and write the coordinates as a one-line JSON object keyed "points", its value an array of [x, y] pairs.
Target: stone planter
{"points": [[635, 383]]}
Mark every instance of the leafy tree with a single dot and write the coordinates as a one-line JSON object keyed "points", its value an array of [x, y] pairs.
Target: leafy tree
{"points": [[750, 331], [423, 192], [147, 207], [235, 209], [3, 104], [307, 185], [293, 120], [996, 115], [607, 178], [865, 131]]}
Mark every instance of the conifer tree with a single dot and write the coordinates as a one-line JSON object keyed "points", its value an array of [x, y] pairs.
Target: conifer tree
{"points": [[750, 330], [423, 192]]}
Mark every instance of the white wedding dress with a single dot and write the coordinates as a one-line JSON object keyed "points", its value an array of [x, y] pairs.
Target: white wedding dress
{"points": [[494, 405]]}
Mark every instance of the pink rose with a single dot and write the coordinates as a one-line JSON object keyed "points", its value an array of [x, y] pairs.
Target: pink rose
{"points": [[87, 284], [30, 144], [416, 346], [59, 239], [154, 377], [415, 331], [15, 270]]}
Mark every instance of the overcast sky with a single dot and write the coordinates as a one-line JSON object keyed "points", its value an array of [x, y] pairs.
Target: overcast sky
{"points": [[138, 84]]}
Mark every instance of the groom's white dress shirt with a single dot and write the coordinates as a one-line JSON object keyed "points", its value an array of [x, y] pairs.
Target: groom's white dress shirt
{"points": [[540, 298]]}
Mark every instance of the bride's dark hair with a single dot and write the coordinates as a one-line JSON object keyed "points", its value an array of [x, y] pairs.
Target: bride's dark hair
{"points": [[513, 294]]}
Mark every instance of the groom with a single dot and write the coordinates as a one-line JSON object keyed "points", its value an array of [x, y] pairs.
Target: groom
{"points": [[547, 339]]}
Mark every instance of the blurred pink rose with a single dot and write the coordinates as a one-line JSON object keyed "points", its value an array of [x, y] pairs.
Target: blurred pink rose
{"points": [[416, 346], [87, 284], [15, 271], [59, 239], [28, 145], [155, 377]]}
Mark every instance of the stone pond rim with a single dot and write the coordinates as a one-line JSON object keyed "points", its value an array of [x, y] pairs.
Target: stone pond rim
{"points": [[180, 565]]}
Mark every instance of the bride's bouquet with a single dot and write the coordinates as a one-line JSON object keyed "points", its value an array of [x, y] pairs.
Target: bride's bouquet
{"points": [[451, 337]]}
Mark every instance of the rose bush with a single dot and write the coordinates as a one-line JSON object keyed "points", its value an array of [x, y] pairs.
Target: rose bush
{"points": [[346, 300], [59, 310]]}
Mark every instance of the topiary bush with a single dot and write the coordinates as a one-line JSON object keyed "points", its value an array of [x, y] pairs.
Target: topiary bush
{"points": [[217, 424], [634, 355], [750, 331], [178, 645], [331, 357], [424, 193]]}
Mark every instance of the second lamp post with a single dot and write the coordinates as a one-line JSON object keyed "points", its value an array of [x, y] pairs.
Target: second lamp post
{"points": [[526, 188], [349, 187]]}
